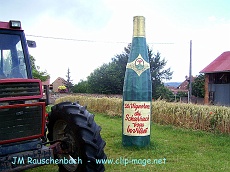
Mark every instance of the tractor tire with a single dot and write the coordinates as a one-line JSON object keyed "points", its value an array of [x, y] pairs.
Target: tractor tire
{"points": [[80, 135]]}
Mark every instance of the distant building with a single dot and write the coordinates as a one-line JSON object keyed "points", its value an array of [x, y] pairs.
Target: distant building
{"points": [[183, 87], [180, 87], [217, 80], [58, 82], [47, 82]]}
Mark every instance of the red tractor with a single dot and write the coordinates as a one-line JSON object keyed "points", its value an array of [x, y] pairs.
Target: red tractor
{"points": [[74, 142]]}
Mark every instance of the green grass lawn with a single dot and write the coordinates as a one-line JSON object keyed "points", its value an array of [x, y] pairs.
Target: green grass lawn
{"points": [[184, 150]]}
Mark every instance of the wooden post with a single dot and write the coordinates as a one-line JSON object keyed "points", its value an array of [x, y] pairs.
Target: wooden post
{"points": [[206, 94]]}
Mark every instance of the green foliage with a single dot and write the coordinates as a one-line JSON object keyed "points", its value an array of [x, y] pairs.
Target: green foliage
{"points": [[158, 73], [97, 80], [37, 74], [119, 62], [109, 78], [81, 87], [182, 94], [198, 86], [48, 108], [104, 80], [157, 67], [164, 93]]}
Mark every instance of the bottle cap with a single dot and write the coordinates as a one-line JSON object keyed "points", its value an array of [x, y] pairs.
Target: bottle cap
{"points": [[138, 26]]}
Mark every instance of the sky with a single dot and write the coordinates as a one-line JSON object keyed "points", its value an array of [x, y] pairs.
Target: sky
{"points": [[83, 34]]}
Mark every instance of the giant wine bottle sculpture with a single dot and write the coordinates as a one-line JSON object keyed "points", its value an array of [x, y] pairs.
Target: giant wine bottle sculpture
{"points": [[137, 90]]}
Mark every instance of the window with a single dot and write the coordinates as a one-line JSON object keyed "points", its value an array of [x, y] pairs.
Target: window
{"points": [[12, 60]]}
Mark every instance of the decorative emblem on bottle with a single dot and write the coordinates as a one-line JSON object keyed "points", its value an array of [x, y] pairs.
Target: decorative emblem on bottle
{"points": [[139, 65]]}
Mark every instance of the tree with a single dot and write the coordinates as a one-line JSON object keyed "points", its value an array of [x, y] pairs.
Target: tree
{"points": [[69, 84], [109, 78], [158, 73], [119, 63], [198, 86], [182, 94], [105, 80], [81, 87], [163, 92], [37, 74]]}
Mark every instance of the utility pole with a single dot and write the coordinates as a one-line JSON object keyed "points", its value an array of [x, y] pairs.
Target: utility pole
{"points": [[190, 74]]}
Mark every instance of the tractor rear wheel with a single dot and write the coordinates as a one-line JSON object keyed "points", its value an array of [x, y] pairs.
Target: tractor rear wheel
{"points": [[80, 138]]}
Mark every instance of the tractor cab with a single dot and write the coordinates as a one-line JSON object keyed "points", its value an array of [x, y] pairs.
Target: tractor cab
{"points": [[14, 56]]}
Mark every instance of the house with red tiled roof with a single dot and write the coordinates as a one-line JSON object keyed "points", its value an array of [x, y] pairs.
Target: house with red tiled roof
{"points": [[183, 87], [217, 80]]}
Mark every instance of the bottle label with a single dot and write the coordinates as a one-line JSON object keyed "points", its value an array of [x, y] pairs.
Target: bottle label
{"points": [[139, 65], [136, 120]]}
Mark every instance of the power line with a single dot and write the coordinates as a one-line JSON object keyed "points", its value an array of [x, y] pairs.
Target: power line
{"points": [[161, 43], [92, 41], [73, 39]]}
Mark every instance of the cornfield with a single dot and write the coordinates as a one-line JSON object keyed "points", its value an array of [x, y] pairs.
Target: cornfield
{"points": [[197, 117]]}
